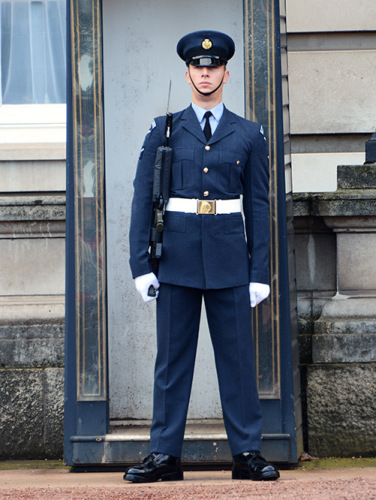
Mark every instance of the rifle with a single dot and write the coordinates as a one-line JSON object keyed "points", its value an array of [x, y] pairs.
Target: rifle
{"points": [[161, 193]]}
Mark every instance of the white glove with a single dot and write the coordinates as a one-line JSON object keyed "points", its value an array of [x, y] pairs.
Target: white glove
{"points": [[258, 292], [144, 282]]}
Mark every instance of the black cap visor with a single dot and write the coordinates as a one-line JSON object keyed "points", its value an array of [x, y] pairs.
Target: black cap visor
{"points": [[206, 61]]}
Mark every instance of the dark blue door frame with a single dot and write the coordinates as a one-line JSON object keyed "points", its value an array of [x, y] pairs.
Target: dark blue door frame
{"points": [[86, 387], [88, 441]]}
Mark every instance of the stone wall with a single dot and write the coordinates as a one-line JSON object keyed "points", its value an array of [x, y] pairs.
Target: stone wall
{"points": [[32, 325], [336, 281]]}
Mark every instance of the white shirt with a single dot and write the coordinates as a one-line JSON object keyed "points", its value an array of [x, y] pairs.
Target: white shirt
{"points": [[217, 113]]}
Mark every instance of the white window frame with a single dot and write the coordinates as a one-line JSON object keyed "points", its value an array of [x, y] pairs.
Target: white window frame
{"points": [[32, 123]]}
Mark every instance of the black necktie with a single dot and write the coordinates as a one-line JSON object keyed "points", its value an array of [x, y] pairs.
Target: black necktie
{"points": [[207, 129]]}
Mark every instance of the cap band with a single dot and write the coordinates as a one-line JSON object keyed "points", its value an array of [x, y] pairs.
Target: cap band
{"points": [[206, 61]]}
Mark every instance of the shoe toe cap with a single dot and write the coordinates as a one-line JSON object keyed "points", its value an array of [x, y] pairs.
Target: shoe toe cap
{"points": [[269, 472]]}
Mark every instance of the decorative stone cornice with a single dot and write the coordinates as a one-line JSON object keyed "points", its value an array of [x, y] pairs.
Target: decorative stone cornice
{"points": [[354, 202], [355, 196], [32, 207], [32, 216]]}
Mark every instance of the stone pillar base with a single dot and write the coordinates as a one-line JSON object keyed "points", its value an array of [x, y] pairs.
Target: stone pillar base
{"points": [[341, 383]]}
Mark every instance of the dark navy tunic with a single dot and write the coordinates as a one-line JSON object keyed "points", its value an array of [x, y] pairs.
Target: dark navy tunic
{"points": [[206, 251]]}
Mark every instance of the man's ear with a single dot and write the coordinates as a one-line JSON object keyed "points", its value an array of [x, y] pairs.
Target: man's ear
{"points": [[226, 76], [187, 77]]}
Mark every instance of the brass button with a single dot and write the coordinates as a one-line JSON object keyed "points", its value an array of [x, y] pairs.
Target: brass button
{"points": [[206, 193], [238, 162], [206, 170], [207, 148]]}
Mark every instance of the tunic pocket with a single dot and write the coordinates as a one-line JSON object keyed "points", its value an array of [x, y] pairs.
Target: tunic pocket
{"points": [[174, 222], [233, 224], [182, 168], [234, 165]]}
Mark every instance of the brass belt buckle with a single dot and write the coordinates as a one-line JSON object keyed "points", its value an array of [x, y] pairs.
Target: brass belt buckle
{"points": [[206, 207]]}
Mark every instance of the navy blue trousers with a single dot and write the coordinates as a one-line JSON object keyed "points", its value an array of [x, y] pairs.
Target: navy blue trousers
{"points": [[229, 319]]}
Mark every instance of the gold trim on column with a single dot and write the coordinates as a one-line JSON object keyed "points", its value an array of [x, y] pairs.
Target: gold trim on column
{"points": [[89, 209], [260, 14]]}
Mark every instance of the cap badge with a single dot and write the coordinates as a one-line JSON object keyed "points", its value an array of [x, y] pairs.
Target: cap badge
{"points": [[207, 44]]}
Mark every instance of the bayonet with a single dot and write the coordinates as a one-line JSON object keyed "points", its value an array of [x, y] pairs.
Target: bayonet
{"points": [[168, 98], [168, 117]]}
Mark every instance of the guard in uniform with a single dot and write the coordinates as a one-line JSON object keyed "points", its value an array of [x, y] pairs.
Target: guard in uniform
{"points": [[219, 171]]}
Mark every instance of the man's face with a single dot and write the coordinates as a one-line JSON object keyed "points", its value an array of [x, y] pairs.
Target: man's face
{"points": [[206, 78]]}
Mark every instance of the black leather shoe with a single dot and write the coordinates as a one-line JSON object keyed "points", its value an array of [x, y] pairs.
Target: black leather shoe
{"points": [[154, 467], [251, 465]]}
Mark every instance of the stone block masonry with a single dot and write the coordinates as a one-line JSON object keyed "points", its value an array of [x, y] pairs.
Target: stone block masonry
{"points": [[31, 378], [341, 416], [337, 314], [32, 231], [31, 419]]}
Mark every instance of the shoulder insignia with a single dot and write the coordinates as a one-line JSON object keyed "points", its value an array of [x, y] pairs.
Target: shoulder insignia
{"points": [[262, 132]]}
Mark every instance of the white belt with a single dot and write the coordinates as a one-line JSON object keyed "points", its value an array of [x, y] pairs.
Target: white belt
{"points": [[195, 206]]}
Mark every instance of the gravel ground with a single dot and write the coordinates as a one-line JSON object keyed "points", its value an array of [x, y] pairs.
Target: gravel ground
{"points": [[359, 484]]}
